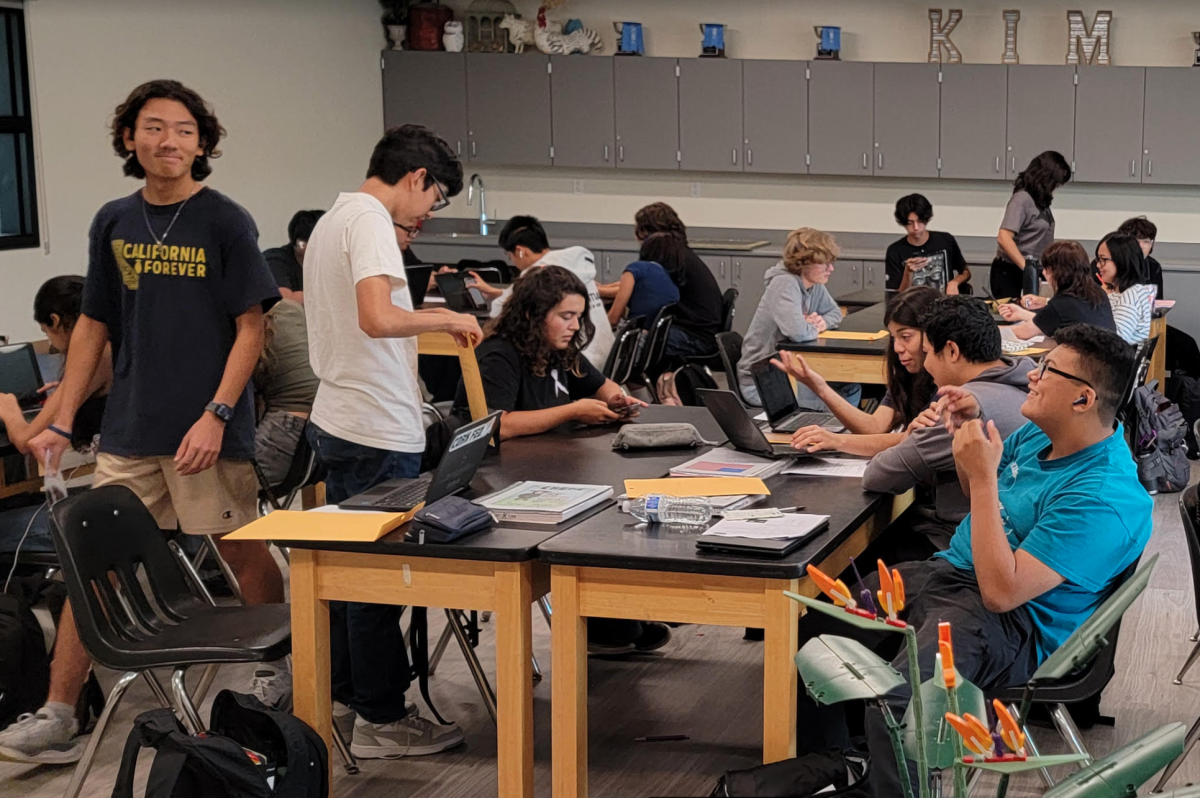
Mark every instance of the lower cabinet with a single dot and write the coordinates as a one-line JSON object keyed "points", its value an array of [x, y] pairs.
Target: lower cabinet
{"points": [[748, 275]]}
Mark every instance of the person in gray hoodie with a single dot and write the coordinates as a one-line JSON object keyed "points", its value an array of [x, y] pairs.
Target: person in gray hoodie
{"points": [[795, 306], [962, 348]]}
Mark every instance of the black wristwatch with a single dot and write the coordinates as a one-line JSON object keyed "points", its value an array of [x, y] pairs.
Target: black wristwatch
{"points": [[223, 412]]}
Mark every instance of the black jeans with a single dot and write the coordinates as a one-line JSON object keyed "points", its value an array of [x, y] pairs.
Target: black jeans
{"points": [[368, 661], [1009, 280], [992, 651]]}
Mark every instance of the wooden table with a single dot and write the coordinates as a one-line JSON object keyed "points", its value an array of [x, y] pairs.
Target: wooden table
{"points": [[1158, 361], [840, 360]]}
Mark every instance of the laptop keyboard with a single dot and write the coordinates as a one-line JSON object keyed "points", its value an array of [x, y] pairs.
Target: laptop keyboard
{"points": [[407, 496], [793, 423]]}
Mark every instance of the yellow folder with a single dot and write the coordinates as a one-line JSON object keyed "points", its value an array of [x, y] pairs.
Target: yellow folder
{"points": [[353, 526], [854, 336], [696, 486]]}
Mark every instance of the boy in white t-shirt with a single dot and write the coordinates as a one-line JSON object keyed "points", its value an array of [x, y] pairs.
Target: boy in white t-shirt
{"points": [[366, 423]]}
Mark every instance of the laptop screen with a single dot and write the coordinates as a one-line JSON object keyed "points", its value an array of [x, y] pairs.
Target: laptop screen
{"points": [[775, 390], [463, 455], [19, 372]]}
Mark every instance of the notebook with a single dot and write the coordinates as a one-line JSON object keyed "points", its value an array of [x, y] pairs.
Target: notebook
{"points": [[532, 502]]}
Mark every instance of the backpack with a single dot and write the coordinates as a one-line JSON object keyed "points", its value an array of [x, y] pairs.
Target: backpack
{"points": [[250, 752], [1159, 442], [828, 774], [24, 664], [1184, 390]]}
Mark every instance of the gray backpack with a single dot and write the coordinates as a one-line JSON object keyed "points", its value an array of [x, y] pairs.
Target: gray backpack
{"points": [[1160, 442]]}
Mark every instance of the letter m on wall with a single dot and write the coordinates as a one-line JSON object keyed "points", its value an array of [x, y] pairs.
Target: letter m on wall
{"points": [[1093, 43]]}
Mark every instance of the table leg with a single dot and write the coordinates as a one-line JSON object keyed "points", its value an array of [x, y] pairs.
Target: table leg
{"points": [[781, 640], [568, 687], [310, 650], [514, 680]]}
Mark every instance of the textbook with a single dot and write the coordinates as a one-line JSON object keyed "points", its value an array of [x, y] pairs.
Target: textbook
{"points": [[531, 502], [729, 463]]}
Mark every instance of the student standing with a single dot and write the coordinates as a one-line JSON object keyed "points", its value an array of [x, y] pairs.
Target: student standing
{"points": [[1119, 265], [1077, 296], [366, 422], [177, 285], [924, 256], [1028, 225], [287, 262]]}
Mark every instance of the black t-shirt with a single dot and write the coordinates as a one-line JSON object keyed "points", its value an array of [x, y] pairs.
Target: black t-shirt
{"points": [[510, 384], [170, 311], [286, 270], [1062, 310], [700, 306], [945, 261], [1154, 276]]}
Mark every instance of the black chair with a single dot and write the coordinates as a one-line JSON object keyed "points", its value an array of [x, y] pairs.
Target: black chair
{"points": [[304, 470], [729, 349], [651, 345], [1127, 407], [713, 361], [136, 610], [620, 357]]}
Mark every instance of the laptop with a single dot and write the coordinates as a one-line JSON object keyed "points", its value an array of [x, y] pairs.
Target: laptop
{"points": [[754, 546], [463, 455], [21, 376], [460, 297], [418, 282], [744, 435], [779, 401]]}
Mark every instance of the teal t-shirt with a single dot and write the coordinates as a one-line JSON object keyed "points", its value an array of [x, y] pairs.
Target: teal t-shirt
{"points": [[1085, 516]]}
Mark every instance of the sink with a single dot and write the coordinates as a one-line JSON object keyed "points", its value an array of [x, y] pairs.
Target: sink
{"points": [[461, 235]]}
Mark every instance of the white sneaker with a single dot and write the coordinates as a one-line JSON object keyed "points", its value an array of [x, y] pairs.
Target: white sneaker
{"points": [[344, 717], [411, 736], [272, 686], [44, 737]]}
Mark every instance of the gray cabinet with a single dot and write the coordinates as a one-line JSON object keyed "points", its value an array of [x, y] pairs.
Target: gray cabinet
{"points": [[427, 89], [874, 274], [846, 277], [508, 107], [710, 114], [907, 105], [1041, 113], [1171, 121], [610, 264], [647, 113], [775, 117], [1108, 124], [581, 102], [840, 118], [748, 275], [973, 118], [721, 267]]}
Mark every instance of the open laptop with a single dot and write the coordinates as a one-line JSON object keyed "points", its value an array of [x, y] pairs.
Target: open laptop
{"points": [[744, 435], [460, 297], [779, 401], [463, 455], [755, 546], [418, 282], [20, 375]]}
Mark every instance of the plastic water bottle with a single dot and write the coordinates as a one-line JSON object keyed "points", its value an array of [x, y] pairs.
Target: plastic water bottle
{"points": [[659, 509]]}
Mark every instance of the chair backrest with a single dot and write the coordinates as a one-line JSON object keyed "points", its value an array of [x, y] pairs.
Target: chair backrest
{"points": [[728, 300], [107, 536], [729, 347], [657, 343], [623, 326], [473, 382], [303, 471], [619, 368], [1141, 367]]}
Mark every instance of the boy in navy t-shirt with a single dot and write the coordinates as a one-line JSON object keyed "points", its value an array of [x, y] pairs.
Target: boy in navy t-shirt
{"points": [[1057, 515]]}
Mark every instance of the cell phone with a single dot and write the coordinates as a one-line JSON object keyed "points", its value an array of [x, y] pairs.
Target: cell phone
{"points": [[476, 298]]}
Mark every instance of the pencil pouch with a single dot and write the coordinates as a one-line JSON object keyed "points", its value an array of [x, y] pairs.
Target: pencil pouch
{"points": [[676, 435]]}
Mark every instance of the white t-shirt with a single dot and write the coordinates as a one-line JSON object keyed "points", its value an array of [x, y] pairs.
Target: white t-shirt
{"points": [[369, 392], [1132, 310], [581, 262]]}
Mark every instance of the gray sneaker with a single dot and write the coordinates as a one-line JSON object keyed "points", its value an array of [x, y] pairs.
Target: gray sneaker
{"points": [[273, 687], [43, 738], [344, 717], [411, 736]]}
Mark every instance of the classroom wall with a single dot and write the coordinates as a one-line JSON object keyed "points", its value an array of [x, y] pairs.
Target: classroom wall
{"points": [[296, 85], [1145, 33]]}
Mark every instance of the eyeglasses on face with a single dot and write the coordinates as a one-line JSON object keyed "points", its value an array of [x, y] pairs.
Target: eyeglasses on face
{"points": [[1045, 366], [441, 201], [413, 232]]}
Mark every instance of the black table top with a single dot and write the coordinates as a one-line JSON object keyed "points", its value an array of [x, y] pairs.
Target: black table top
{"points": [[863, 297], [868, 319]]}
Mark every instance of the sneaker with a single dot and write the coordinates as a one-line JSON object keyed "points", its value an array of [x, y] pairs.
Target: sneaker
{"points": [[654, 636], [44, 738], [344, 717], [610, 649], [272, 686], [411, 736]]}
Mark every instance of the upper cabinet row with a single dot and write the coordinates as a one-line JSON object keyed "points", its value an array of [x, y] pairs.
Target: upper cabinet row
{"points": [[974, 121]]}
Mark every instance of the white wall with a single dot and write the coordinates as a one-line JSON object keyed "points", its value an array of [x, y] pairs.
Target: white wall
{"points": [[296, 85], [1145, 33]]}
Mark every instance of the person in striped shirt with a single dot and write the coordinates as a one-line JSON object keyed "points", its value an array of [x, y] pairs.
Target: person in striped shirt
{"points": [[1120, 268]]}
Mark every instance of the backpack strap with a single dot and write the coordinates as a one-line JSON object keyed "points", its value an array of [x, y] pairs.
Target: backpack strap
{"points": [[419, 645], [149, 730]]}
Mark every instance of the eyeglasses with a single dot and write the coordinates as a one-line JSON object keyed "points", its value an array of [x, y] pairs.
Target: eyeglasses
{"points": [[441, 202], [413, 232], [1101, 260], [1045, 366]]}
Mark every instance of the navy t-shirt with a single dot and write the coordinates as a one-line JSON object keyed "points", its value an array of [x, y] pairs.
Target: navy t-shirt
{"points": [[170, 312], [653, 289]]}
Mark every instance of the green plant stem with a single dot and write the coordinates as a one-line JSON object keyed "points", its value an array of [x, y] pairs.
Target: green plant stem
{"points": [[894, 729], [960, 774], [914, 678]]}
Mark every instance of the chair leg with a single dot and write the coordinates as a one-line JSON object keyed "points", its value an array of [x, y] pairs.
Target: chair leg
{"points": [[349, 762], [183, 702], [1191, 660], [211, 546], [1069, 731], [1189, 742], [1031, 746], [191, 571], [1196, 637], [473, 664], [89, 753], [436, 656], [546, 608], [537, 670], [206, 680], [156, 687]]}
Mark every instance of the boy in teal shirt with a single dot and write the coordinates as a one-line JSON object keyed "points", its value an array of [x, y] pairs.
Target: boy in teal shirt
{"points": [[1057, 515]]}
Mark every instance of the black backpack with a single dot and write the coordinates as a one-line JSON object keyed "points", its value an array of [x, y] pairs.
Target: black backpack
{"points": [[250, 752], [828, 774], [24, 664], [1160, 442], [1184, 390]]}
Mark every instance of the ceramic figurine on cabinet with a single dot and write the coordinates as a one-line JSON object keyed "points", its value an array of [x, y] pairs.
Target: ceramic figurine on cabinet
{"points": [[520, 32], [452, 37]]}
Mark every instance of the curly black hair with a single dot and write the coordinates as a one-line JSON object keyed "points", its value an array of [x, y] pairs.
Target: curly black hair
{"points": [[522, 322], [911, 393], [913, 203], [1045, 173], [208, 127], [966, 321]]}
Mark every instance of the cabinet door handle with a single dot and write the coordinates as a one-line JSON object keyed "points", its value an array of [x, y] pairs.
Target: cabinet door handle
{"points": [[997, 164], [880, 156], [749, 157], [864, 160], [458, 147], [1150, 168], [1014, 164], [1133, 168], [606, 153], [472, 148], [737, 270], [722, 270], [621, 153], [735, 156]]}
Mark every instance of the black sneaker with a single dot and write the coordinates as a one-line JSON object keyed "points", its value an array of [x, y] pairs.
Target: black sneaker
{"points": [[654, 636]]}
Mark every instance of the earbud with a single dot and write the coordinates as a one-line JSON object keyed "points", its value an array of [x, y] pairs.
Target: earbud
{"points": [[1080, 401]]}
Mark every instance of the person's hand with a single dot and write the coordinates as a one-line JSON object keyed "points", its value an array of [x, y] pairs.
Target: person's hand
{"points": [[1011, 312], [625, 406], [1033, 302], [463, 327], [48, 387], [815, 439], [929, 417], [593, 411], [951, 288], [816, 320], [487, 289], [957, 406], [915, 264], [433, 276], [201, 446], [977, 450], [49, 446], [793, 363]]}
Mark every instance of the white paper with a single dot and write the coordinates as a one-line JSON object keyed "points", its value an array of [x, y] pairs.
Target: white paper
{"points": [[829, 467], [785, 527], [761, 416], [1007, 334]]}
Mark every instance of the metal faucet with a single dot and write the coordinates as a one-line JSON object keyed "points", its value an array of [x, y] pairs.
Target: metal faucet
{"points": [[483, 218]]}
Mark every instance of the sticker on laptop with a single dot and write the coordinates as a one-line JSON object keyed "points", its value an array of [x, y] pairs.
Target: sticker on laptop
{"points": [[469, 436]]}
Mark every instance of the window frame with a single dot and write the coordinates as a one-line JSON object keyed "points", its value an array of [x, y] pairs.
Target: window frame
{"points": [[18, 124]]}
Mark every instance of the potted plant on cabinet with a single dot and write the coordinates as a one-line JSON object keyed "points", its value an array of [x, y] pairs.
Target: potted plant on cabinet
{"points": [[395, 21]]}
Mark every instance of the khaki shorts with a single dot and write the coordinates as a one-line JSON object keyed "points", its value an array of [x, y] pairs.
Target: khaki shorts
{"points": [[214, 502]]}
